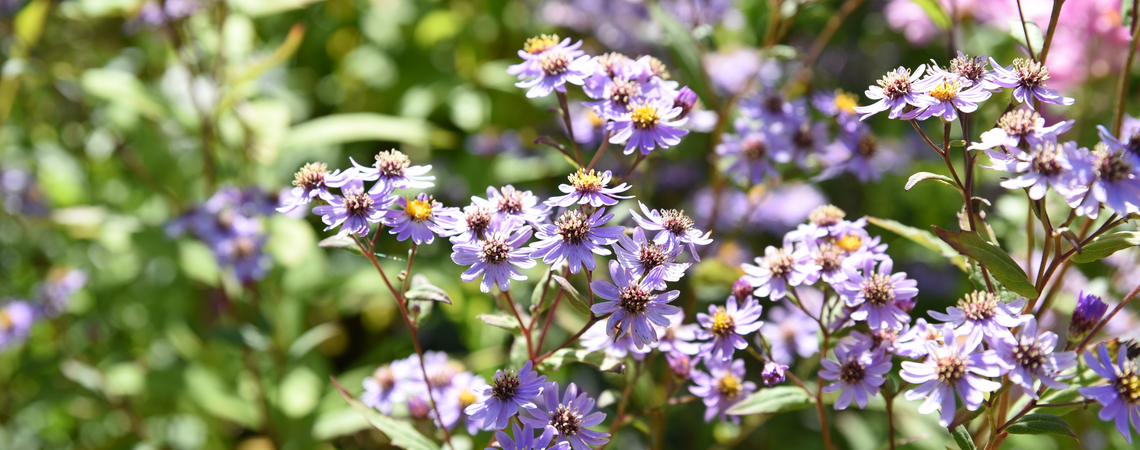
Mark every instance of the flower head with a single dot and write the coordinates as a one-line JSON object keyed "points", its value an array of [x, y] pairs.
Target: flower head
{"points": [[1032, 355], [509, 390], [524, 439], [386, 385], [640, 255], [770, 107], [945, 99], [16, 319], [551, 68], [1020, 125], [355, 211], [722, 387], [678, 337], [751, 152], [632, 305], [588, 187], [773, 374], [308, 183], [421, 219], [874, 294], [510, 202], [897, 89], [1090, 309], [727, 325], [495, 256], [778, 269], [571, 417], [681, 364], [983, 312], [392, 170], [913, 342], [1027, 77], [674, 229], [597, 338], [949, 368], [1049, 164], [575, 238], [1120, 398], [790, 332], [649, 124], [58, 288], [835, 103], [857, 371]]}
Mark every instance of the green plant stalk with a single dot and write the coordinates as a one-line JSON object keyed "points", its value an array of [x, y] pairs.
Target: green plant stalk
{"points": [[1053, 18], [1126, 72]]}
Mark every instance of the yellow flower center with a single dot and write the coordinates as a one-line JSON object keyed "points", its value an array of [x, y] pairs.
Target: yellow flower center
{"points": [[466, 398], [644, 115], [729, 386], [419, 210], [846, 101], [540, 43], [584, 181], [850, 242], [5, 320], [594, 118], [722, 322], [946, 91]]}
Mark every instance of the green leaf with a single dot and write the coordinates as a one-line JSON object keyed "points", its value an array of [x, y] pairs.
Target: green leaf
{"points": [[598, 359], [29, 23], [1106, 245], [997, 261], [686, 55], [923, 176], [122, 88], [402, 434], [1017, 32], [262, 8], [255, 69], [536, 296], [500, 320], [1042, 424], [771, 401], [347, 245], [962, 437], [422, 290], [576, 300], [353, 127], [936, 13], [923, 238], [312, 338]]}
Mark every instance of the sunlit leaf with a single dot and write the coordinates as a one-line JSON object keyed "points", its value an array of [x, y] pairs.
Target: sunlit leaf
{"points": [[353, 127], [576, 300], [771, 401], [1042, 424], [923, 176], [1105, 245], [402, 434], [997, 261], [923, 238], [1017, 32], [962, 437]]}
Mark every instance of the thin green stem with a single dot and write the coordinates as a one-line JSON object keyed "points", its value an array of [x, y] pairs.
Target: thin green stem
{"points": [[1053, 19], [1126, 72]]}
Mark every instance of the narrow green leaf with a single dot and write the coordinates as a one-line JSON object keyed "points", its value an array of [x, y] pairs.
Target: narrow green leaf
{"points": [[353, 127], [923, 176], [686, 55], [598, 359], [923, 238], [962, 437], [771, 401], [422, 290], [402, 434], [347, 245], [996, 260], [1042, 424], [536, 296], [122, 88], [1106, 245], [937, 15], [1017, 32], [576, 300], [312, 338], [500, 320]]}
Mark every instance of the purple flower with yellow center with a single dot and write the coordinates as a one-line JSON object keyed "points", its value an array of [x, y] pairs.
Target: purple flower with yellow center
{"points": [[461, 395], [619, 96], [607, 68], [1027, 77], [771, 108], [722, 387], [571, 417], [773, 374], [912, 342], [308, 183], [556, 66], [751, 152], [1090, 309], [509, 390], [575, 238], [356, 211], [1032, 355], [790, 332], [632, 305], [951, 95], [495, 256], [649, 124], [510, 202], [392, 170], [588, 187], [640, 255], [857, 371], [897, 89], [386, 386], [949, 368], [524, 440], [1048, 164], [420, 219], [835, 103], [983, 312], [533, 50], [16, 319], [678, 337], [1017, 126], [1120, 398], [778, 269], [874, 293], [674, 229], [726, 326]]}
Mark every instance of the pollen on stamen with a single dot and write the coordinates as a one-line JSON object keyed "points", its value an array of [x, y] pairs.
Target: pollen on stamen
{"points": [[633, 299], [845, 101], [967, 67], [896, 83], [555, 62], [950, 369], [852, 372], [1046, 159], [583, 181], [495, 249], [573, 226], [676, 221], [1112, 166], [723, 323], [1019, 123], [623, 91], [644, 115], [979, 305], [311, 176], [729, 386], [946, 91], [419, 210], [357, 202], [826, 216], [879, 290], [1030, 73], [540, 43], [392, 163]]}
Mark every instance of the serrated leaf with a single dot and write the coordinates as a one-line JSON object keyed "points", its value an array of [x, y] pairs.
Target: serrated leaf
{"points": [[923, 238], [576, 300], [962, 437], [923, 176], [1017, 32], [347, 245], [1042, 424], [1103, 246], [422, 290], [402, 434], [1000, 265], [934, 10], [501, 321], [772, 401]]}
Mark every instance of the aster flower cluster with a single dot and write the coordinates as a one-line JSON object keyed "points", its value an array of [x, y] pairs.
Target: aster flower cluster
{"points": [[400, 385], [52, 297], [231, 224]]}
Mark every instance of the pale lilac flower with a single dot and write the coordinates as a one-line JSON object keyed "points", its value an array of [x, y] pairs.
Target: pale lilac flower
{"points": [[1090, 309], [772, 109], [773, 374], [59, 287], [874, 292], [461, 395], [640, 255], [790, 332], [1120, 398], [308, 183], [1032, 355], [1114, 171], [244, 253], [858, 152], [913, 342], [387, 385], [16, 318], [779, 269], [356, 211], [1027, 77], [632, 305], [674, 229], [511, 202], [726, 326], [588, 187], [420, 219], [897, 89], [752, 151], [535, 48], [681, 364], [509, 390], [575, 238], [524, 439], [945, 99], [982, 312], [649, 124], [571, 417], [678, 337], [1049, 164], [810, 139], [949, 368], [686, 99], [556, 66], [971, 70], [857, 371], [495, 256], [1020, 124], [723, 386], [469, 225], [835, 103], [392, 170], [597, 338]]}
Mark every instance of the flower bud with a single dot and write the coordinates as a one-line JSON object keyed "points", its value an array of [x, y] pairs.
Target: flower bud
{"points": [[685, 99], [773, 373], [1090, 309], [742, 290]]}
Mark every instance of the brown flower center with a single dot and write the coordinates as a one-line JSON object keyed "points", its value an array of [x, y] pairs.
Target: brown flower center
{"points": [[879, 289], [950, 369]]}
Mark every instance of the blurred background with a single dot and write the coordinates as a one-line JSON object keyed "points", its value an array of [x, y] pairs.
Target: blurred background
{"points": [[144, 144]]}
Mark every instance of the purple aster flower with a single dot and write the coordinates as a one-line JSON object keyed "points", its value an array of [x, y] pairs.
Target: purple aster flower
{"points": [[897, 89], [874, 292], [510, 202], [392, 170], [640, 255], [1049, 164], [633, 305], [575, 238], [969, 69], [471, 224], [686, 99], [608, 67], [419, 408], [495, 256], [649, 124], [913, 342], [1032, 355], [674, 229], [1027, 77], [525, 440], [309, 183], [356, 211], [461, 395], [983, 312], [951, 95], [1129, 139], [742, 289], [680, 364], [1120, 398], [949, 368], [809, 141], [1020, 124], [16, 319], [678, 337], [770, 107], [751, 152], [778, 269], [387, 385], [773, 374], [509, 390], [59, 287], [588, 188], [1090, 309], [856, 151], [835, 103], [533, 50], [857, 371], [556, 66], [722, 387], [1115, 180], [597, 338], [571, 417], [244, 254], [790, 332], [420, 219], [726, 326]]}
